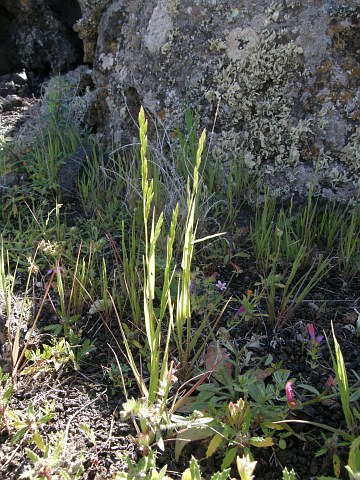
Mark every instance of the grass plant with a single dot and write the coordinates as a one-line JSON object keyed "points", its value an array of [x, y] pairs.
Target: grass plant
{"points": [[329, 227], [294, 290], [159, 371], [305, 225], [350, 245], [58, 137], [262, 232], [343, 385]]}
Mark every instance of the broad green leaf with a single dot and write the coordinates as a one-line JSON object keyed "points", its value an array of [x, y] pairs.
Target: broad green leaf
{"points": [[19, 434], [186, 474], [229, 458], [354, 455], [274, 426], [336, 465], [162, 473], [30, 410], [282, 444], [46, 418], [214, 445], [355, 395], [8, 392], [261, 442], [310, 388], [39, 442], [66, 476], [326, 478], [191, 434], [32, 456]]}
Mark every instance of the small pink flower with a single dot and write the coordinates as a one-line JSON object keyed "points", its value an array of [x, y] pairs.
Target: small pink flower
{"points": [[221, 286], [313, 338], [240, 311], [331, 381], [290, 394], [55, 270], [311, 331]]}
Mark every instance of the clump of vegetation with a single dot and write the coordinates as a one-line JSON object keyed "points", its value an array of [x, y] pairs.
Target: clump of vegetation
{"points": [[196, 304]]}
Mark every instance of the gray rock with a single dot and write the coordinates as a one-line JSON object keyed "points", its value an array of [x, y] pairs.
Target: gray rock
{"points": [[38, 35], [71, 168], [276, 81], [7, 182], [10, 102]]}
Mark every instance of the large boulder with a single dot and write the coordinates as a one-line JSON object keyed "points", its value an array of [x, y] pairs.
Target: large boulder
{"points": [[276, 82], [38, 35]]}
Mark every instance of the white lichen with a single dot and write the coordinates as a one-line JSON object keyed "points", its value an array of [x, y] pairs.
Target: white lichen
{"points": [[351, 157], [173, 7], [256, 96]]}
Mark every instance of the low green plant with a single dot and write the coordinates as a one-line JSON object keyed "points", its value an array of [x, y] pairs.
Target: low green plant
{"points": [[128, 269], [313, 347], [53, 462], [353, 466], [6, 391], [28, 425], [4, 155], [352, 416], [89, 432], [101, 189], [194, 472], [237, 426], [249, 307], [49, 358], [288, 475], [188, 142], [7, 284], [206, 298], [145, 468], [241, 184]]}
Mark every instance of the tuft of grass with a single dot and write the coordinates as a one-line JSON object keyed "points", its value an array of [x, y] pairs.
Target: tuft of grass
{"points": [[349, 251]]}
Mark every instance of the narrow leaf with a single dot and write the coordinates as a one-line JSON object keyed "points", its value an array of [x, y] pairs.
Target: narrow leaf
{"points": [[229, 458], [214, 445], [261, 442], [39, 442]]}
